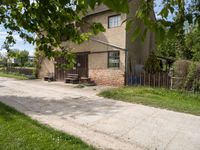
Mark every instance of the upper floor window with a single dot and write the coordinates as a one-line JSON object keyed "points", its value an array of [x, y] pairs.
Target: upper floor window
{"points": [[113, 59], [114, 21]]}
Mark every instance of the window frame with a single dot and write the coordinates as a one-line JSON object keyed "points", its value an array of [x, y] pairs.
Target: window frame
{"points": [[108, 58], [111, 17]]}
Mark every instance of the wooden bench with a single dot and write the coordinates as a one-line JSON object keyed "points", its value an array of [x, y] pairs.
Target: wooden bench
{"points": [[49, 77], [72, 78]]}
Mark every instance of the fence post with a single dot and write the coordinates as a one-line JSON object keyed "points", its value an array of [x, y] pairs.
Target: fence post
{"points": [[159, 79], [170, 75]]}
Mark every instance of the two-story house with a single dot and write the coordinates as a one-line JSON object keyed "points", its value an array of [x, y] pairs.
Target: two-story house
{"points": [[110, 56]]}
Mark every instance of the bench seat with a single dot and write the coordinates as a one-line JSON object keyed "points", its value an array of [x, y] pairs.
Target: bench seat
{"points": [[72, 78]]}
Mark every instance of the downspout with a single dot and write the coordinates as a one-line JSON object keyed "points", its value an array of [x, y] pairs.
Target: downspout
{"points": [[126, 71]]}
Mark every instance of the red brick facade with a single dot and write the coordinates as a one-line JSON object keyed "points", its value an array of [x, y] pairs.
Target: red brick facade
{"points": [[107, 76]]}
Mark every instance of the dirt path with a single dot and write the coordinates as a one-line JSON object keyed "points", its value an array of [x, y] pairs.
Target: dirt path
{"points": [[104, 123]]}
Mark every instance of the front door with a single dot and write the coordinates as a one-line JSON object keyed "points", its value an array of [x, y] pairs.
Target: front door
{"points": [[59, 71], [82, 64], [81, 67]]}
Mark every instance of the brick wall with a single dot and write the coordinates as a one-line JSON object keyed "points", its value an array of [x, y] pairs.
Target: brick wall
{"points": [[107, 76]]}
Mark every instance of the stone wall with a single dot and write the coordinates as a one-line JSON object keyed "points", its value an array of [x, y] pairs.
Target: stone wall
{"points": [[112, 77]]}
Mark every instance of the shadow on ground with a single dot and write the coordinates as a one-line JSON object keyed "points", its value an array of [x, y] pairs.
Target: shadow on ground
{"points": [[66, 106]]}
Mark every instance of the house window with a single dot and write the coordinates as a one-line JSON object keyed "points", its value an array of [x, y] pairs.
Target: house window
{"points": [[113, 59], [114, 21]]}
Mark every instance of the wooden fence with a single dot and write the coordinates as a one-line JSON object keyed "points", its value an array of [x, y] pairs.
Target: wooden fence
{"points": [[160, 79]]}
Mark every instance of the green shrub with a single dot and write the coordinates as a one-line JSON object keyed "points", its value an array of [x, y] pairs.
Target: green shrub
{"points": [[187, 75], [193, 79], [181, 69], [152, 64], [190, 77]]}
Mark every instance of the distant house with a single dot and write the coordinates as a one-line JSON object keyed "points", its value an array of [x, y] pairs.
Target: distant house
{"points": [[17, 61], [109, 57], [31, 59], [13, 61]]}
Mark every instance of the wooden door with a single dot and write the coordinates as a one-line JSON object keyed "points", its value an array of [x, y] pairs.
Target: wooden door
{"points": [[59, 71], [81, 67], [82, 64]]}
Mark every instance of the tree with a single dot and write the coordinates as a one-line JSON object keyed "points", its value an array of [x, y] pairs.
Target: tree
{"points": [[152, 64], [193, 43], [20, 56], [167, 48], [23, 57], [52, 19], [3, 60], [171, 47]]}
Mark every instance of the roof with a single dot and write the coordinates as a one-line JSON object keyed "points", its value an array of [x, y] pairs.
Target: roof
{"points": [[98, 9]]}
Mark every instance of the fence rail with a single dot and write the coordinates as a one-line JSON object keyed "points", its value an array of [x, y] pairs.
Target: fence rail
{"points": [[160, 79]]}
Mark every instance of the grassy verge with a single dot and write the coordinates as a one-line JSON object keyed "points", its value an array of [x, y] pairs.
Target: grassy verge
{"points": [[19, 132], [161, 98], [15, 76]]}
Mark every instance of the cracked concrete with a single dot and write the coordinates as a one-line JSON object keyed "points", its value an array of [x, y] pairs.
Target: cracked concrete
{"points": [[104, 123]]}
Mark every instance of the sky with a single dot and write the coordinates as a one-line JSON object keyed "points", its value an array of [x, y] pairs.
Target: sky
{"points": [[22, 45]]}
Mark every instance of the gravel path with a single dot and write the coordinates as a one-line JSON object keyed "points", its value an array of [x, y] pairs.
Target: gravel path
{"points": [[106, 124]]}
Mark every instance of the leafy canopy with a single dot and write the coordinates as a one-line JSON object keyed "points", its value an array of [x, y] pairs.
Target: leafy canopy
{"points": [[170, 47], [47, 22]]}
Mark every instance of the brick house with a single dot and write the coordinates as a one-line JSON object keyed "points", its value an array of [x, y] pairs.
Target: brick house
{"points": [[106, 58]]}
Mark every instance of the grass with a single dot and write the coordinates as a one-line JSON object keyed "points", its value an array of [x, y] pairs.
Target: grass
{"points": [[12, 75], [161, 98], [19, 132]]}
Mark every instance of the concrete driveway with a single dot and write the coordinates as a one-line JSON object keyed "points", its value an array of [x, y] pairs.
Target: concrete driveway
{"points": [[104, 123]]}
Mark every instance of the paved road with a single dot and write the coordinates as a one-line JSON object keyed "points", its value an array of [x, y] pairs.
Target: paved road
{"points": [[106, 124]]}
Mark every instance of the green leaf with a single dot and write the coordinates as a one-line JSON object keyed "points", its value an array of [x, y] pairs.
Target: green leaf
{"points": [[164, 12]]}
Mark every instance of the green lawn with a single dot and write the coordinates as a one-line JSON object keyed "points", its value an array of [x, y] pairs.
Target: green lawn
{"points": [[15, 76], [19, 132], [161, 98]]}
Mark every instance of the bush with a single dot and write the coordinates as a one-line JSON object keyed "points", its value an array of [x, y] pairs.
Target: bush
{"points": [[181, 70], [152, 64], [187, 75], [196, 81]]}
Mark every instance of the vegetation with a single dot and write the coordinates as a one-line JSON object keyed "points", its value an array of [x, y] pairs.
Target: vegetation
{"points": [[57, 22], [193, 43], [187, 75], [168, 48], [16, 64], [161, 98], [21, 57], [14, 75], [3, 60], [19, 132], [172, 48], [152, 64]]}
